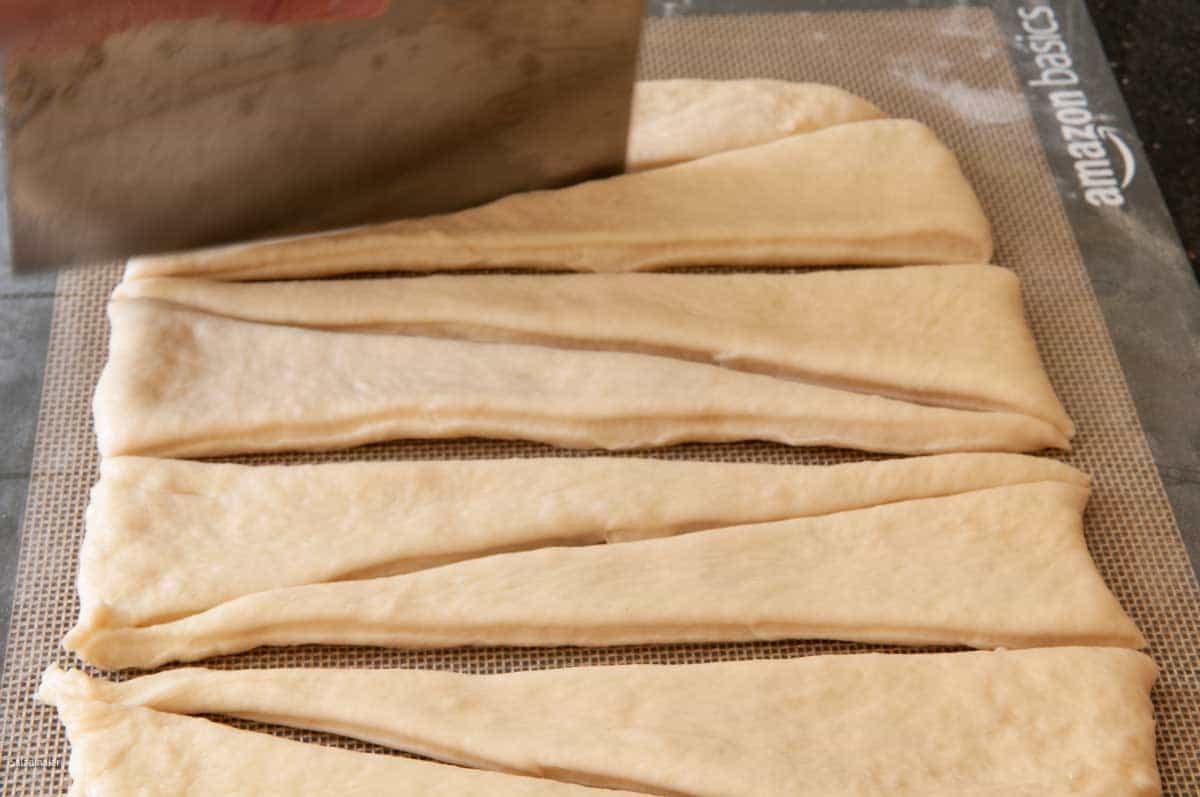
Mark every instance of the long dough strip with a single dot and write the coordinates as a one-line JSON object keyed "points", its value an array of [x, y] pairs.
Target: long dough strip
{"points": [[179, 383], [166, 538], [1005, 567], [680, 120], [118, 751], [883, 192], [944, 335], [1060, 721]]}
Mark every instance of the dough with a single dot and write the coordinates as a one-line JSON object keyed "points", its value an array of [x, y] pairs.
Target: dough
{"points": [[1006, 566], [943, 335], [185, 384], [1055, 721], [166, 538], [681, 120], [118, 751], [883, 192]]}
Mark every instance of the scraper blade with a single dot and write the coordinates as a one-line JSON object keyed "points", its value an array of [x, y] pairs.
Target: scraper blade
{"points": [[186, 123]]}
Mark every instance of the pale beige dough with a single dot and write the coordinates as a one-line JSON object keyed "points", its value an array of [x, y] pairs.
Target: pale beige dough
{"points": [[882, 192], [943, 335], [118, 751], [166, 538], [681, 120], [1001, 567], [186, 384], [1055, 721]]}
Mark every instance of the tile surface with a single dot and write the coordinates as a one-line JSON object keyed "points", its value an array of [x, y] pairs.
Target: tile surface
{"points": [[12, 502], [25, 312], [24, 332]]}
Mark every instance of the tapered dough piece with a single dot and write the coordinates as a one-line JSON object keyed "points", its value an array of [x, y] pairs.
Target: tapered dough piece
{"points": [[883, 192], [166, 538], [1043, 722], [681, 120], [179, 383], [1002, 567], [943, 335], [118, 751]]}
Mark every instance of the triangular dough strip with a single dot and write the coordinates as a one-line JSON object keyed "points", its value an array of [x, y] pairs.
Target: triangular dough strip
{"points": [[952, 336], [167, 538], [179, 383], [119, 750], [1004, 567], [883, 192], [681, 120], [1054, 721]]}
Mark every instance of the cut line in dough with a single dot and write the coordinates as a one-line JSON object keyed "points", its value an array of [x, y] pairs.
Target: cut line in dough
{"points": [[1054, 721], [119, 750], [1002, 567], [681, 120], [186, 384], [884, 192], [167, 538], [951, 336]]}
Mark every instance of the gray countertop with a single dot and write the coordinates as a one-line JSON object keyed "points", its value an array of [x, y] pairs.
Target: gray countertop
{"points": [[26, 306]]}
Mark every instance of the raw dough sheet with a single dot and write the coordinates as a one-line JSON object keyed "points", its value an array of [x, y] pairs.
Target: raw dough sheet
{"points": [[946, 67], [1000, 567], [1033, 723], [949, 336], [169, 537], [194, 371], [795, 201]]}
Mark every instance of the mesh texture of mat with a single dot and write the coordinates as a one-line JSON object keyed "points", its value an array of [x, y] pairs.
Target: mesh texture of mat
{"points": [[947, 68]]}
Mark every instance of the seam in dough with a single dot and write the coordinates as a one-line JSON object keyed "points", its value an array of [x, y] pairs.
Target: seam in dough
{"points": [[680, 120], [883, 192], [167, 538], [951, 336], [187, 384], [1043, 722], [1000, 567], [121, 750]]}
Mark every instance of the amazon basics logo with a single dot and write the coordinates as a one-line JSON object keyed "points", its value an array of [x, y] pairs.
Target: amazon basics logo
{"points": [[1104, 163]]}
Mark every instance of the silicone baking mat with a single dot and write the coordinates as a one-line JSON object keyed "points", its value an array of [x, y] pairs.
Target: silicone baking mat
{"points": [[948, 68]]}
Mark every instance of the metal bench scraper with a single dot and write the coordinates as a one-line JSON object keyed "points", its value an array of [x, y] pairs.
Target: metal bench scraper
{"points": [[134, 127]]}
